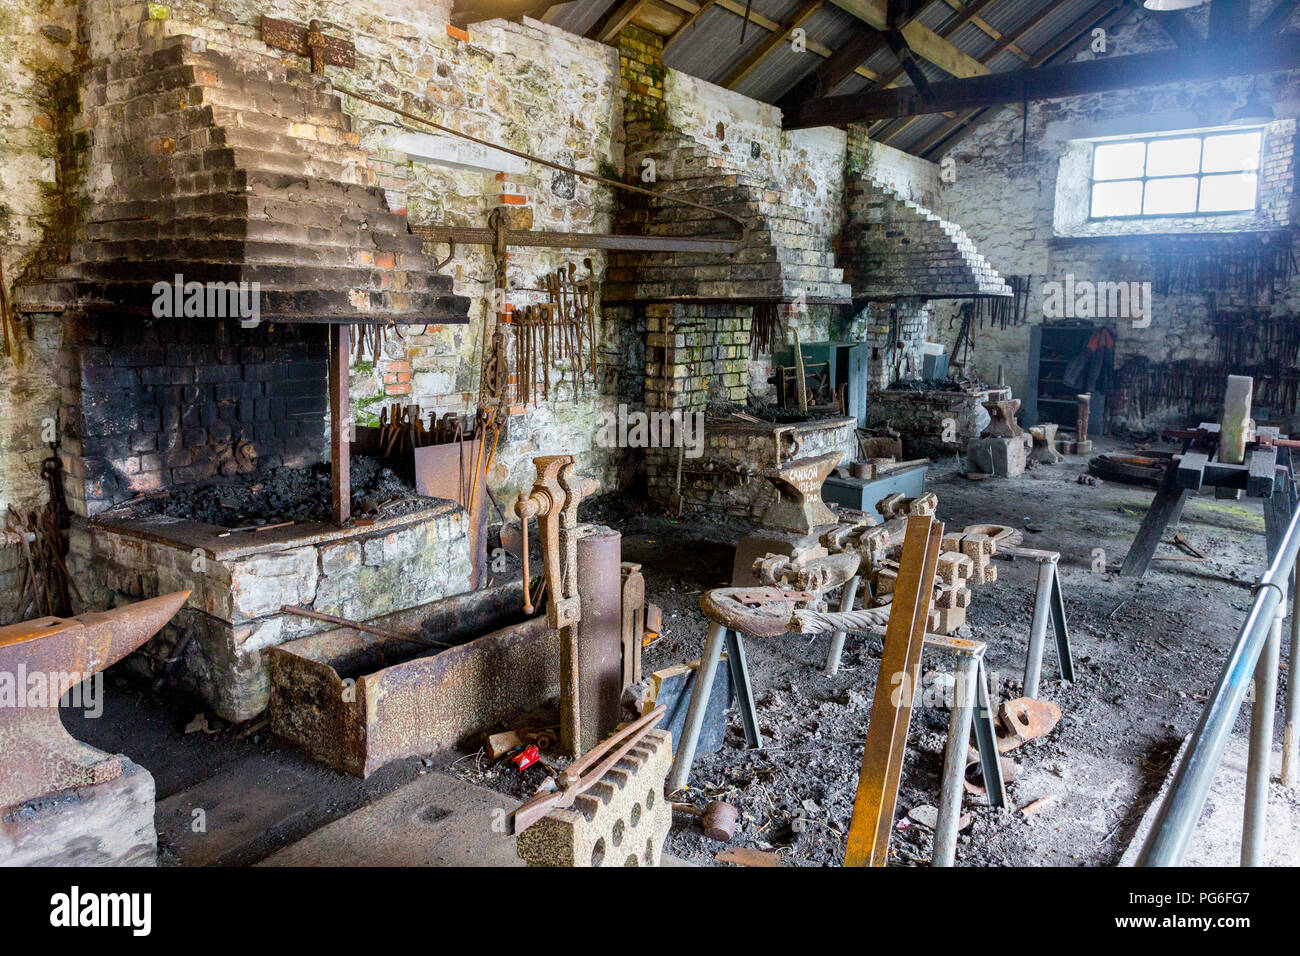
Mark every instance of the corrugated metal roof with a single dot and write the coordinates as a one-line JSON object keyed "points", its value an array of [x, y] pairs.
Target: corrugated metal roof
{"points": [[712, 48]]}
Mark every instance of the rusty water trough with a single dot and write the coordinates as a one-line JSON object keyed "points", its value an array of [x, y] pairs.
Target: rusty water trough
{"points": [[356, 701]]}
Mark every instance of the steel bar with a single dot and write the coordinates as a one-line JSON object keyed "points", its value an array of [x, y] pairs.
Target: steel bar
{"points": [[340, 426], [744, 692], [1038, 629], [1254, 827], [837, 639], [891, 710], [1182, 807], [986, 741], [482, 236], [1290, 737], [954, 759], [685, 755]]}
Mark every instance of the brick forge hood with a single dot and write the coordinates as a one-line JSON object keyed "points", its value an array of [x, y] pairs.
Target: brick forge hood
{"points": [[783, 259], [243, 171], [892, 247]]}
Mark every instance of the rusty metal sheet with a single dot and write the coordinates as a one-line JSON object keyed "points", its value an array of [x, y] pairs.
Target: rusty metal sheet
{"points": [[37, 755], [356, 701]]}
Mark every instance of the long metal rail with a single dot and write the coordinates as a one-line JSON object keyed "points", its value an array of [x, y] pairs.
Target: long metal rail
{"points": [[1254, 654]]}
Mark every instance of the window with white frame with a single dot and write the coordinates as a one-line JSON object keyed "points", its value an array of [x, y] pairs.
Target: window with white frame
{"points": [[1188, 174]]}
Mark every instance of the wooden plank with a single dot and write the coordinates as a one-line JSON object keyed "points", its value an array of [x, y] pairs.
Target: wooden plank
{"points": [[1191, 470], [1262, 467], [1168, 501], [771, 42], [891, 709], [1054, 82]]}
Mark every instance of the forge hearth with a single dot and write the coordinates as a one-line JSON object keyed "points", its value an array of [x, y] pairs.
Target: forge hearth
{"points": [[239, 583]]}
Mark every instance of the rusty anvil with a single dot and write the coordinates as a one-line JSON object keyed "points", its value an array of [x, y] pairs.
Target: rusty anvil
{"points": [[37, 755], [554, 503]]}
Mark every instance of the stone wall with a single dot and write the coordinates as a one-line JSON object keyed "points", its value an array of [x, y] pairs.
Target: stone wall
{"points": [[237, 590], [1007, 204]]}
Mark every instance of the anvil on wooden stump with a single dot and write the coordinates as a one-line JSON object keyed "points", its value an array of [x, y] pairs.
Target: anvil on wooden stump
{"points": [[37, 755], [799, 506]]}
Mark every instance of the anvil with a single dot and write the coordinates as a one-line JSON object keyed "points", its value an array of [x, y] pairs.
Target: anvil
{"points": [[37, 755]]}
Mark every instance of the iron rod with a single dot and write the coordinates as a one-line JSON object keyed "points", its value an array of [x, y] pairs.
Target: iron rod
{"points": [[1290, 734], [1254, 825], [1174, 824], [700, 693], [837, 638], [1038, 629], [954, 760]]}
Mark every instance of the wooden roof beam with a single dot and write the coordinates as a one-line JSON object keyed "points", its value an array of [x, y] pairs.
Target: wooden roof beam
{"points": [[615, 19], [1055, 82], [771, 42]]}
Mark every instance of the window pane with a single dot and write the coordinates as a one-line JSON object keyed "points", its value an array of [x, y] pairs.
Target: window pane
{"points": [[1233, 191], [1165, 196], [1235, 151], [1118, 160], [1117, 199], [1173, 157]]}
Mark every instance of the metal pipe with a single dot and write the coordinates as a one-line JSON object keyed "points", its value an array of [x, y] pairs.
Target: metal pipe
{"points": [[1290, 731], [837, 639], [954, 759], [1254, 826], [699, 704], [1038, 629], [1173, 827]]}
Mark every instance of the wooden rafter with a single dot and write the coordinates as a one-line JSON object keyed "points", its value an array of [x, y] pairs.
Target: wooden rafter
{"points": [[687, 24], [949, 134], [891, 128], [1229, 21], [1176, 26], [924, 42], [756, 18], [970, 13], [1059, 81], [615, 19], [1276, 19], [771, 42]]}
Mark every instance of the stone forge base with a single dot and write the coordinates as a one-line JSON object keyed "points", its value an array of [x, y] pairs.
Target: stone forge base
{"points": [[1004, 457], [239, 583], [621, 821], [106, 824]]}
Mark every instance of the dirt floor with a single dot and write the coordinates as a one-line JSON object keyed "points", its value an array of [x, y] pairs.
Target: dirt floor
{"points": [[1146, 654]]}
